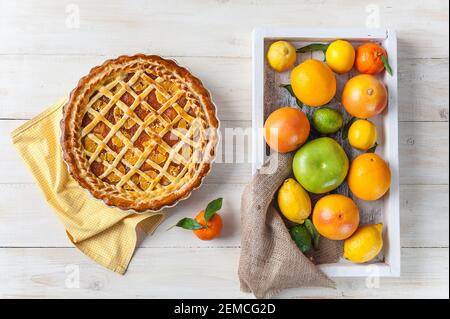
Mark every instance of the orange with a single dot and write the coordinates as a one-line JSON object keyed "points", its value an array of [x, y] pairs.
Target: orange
{"points": [[213, 226], [286, 129], [336, 217], [368, 58], [313, 83], [369, 177], [364, 96]]}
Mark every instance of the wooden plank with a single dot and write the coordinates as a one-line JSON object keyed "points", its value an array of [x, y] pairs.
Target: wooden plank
{"points": [[424, 218], [423, 155], [423, 89], [423, 84], [217, 28], [225, 170], [164, 273], [28, 84], [424, 215], [40, 227]]}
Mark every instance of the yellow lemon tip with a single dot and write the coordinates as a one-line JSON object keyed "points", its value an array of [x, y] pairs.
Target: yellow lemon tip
{"points": [[378, 227]]}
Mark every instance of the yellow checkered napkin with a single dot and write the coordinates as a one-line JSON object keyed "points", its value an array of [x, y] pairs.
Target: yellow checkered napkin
{"points": [[107, 235]]}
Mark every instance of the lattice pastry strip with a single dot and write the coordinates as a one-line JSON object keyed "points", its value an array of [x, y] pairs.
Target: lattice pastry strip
{"points": [[114, 98], [100, 116], [127, 180], [143, 157], [143, 120], [143, 126], [172, 153], [112, 167], [119, 157]]}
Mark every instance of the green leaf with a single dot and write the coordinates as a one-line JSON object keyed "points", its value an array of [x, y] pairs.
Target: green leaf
{"points": [[313, 232], [372, 149], [212, 208], [188, 223], [299, 103], [386, 65], [314, 47], [288, 88], [301, 237], [347, 127]]}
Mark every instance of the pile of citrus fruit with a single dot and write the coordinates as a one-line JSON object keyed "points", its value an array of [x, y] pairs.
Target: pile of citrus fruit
{"points": [[320, 164]]}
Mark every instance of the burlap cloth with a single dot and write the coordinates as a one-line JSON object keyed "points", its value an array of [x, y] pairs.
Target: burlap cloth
{"points": [[270, 260]]}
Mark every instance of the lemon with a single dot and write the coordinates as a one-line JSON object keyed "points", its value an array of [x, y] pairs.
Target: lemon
{"points": [[327, 120], [281, 55], [364, 244], [294, 201], [340, 56], [362, 134]]}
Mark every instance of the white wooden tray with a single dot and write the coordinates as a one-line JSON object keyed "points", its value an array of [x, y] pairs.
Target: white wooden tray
{"points": [[268, 96]]}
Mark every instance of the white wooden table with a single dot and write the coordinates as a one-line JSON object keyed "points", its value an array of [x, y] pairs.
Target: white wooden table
{"points": [[46, 46]]}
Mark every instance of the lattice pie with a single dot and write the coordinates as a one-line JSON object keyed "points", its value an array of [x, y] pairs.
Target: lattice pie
{"points": [[139, 132]]}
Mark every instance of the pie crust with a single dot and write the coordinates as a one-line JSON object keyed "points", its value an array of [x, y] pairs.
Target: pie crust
{"points": [[139, 132]]}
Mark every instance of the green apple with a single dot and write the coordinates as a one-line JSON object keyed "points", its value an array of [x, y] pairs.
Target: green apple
{"points": [[321, 165]]}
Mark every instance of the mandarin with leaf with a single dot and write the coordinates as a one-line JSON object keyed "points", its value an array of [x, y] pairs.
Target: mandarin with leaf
{"points": [[207, 224]]}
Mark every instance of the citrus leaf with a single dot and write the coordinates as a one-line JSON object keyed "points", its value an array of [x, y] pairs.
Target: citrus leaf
{"points": [[302, 238], [212, 208], [347, 127], [313, 232], [386, 65], [188, 223], [288, 88], [314, 47], [372, 149]]}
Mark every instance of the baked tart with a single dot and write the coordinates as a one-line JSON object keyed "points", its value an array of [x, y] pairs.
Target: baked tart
{"points": [[139, 132]]}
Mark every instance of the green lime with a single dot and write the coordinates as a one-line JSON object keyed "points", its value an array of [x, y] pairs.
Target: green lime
{"points": [[302, 237], [327, 120]]}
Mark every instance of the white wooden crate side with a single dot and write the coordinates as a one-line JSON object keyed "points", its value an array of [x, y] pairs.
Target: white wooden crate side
{"points": [[257, 98], [392, 199], [391, 212]]}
